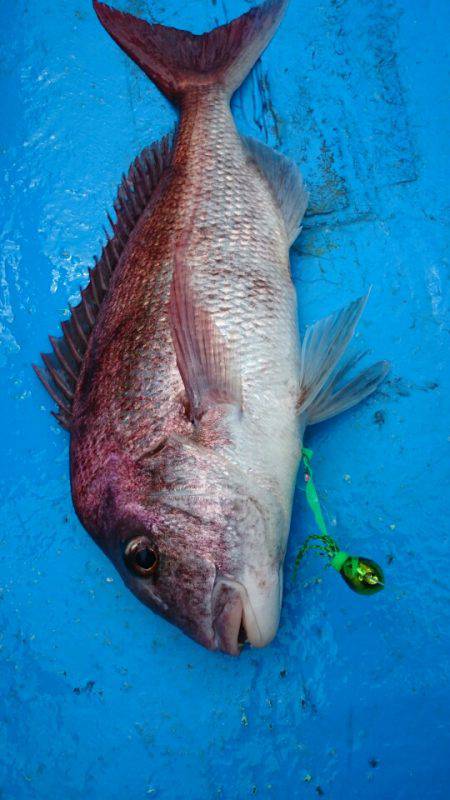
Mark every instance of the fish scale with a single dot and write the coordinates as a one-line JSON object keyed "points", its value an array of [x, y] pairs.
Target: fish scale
{"points": [[237, 251]]}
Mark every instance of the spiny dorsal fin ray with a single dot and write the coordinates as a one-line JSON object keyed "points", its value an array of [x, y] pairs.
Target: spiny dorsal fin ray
{"points": [[62, 366]]}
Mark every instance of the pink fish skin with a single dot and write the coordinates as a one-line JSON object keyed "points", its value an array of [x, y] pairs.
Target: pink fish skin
{"points": [[181, 375]]}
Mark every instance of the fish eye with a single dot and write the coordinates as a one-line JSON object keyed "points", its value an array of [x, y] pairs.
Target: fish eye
{"points": [[141, 557]]}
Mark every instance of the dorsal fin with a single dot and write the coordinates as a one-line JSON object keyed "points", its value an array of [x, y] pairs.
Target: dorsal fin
{"points": [[62, 366]]}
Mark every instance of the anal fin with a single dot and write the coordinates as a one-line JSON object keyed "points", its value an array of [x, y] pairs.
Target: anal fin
{"points": [[285, 181]]}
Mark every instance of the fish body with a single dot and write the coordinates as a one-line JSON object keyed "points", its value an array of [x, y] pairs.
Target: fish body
{"points": [[190, 389]]}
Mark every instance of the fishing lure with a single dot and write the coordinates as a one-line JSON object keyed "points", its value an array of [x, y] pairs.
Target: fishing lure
{"points": [[361, 574]]}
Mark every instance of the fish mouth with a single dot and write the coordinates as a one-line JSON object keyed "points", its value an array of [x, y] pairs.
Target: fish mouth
{"points": [[234, 620]]}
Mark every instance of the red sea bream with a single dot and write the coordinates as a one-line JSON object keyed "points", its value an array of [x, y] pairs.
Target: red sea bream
{"points": [[181, 376]]}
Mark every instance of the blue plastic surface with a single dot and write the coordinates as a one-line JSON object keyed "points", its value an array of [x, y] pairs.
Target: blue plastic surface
{"points": [[99, 697]]}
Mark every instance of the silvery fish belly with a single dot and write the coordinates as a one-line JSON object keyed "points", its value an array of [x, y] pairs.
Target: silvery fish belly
{"points": [[180, 375]]}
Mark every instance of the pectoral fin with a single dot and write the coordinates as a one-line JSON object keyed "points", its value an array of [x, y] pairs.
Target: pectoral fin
{"points": [[323, 347], [205, 361]]}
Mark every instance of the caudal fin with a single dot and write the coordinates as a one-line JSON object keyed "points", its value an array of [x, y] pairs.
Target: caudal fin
{"points": [[178, 61]]}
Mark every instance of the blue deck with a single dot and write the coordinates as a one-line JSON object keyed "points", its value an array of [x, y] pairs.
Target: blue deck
{"points": [[100, 698]]}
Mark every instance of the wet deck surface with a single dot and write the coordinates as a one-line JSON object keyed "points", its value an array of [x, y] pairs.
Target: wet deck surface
{"points": [[101, 699]]}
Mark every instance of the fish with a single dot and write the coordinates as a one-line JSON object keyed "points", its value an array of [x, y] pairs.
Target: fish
{"points": [[181, 375]]}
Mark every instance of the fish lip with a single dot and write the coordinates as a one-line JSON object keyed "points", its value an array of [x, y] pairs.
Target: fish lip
{"points": [[233, 617]]}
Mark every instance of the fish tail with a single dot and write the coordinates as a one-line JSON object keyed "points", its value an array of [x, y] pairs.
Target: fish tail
{"points": [[178, 61]]}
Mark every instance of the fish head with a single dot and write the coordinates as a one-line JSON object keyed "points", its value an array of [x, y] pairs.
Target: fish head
{"points": [[248, 589], [202, 549]]}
